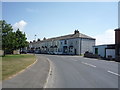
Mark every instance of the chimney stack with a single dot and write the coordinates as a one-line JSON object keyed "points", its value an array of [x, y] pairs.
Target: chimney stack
{"points": [[76, 31]]}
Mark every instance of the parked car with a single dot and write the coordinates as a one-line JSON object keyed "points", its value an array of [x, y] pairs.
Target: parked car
{"points": [[23, 52], [37, 51], [91, 55]]}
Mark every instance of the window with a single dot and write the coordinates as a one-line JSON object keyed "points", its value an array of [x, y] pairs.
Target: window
{"points": [[65, 49], [69, 50], [65, 42], [71, 43], [76, 42], [58, 49]]}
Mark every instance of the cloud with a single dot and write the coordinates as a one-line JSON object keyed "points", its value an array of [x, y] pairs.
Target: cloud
{"points": [[21, 25], [107, 37]]}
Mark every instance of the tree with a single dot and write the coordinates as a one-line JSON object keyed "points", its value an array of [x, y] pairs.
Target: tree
{"points": [[0, 35], [6, 36], [12, 40], [20, 40]]}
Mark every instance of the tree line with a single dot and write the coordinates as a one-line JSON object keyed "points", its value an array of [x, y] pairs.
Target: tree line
{"points": [[12, 40]]}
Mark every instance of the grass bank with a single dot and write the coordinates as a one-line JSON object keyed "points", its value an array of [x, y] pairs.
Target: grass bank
{"points": [[12, 64]]}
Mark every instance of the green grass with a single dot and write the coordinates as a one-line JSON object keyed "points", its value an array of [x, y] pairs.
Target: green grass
{"points": [[12, 64]]}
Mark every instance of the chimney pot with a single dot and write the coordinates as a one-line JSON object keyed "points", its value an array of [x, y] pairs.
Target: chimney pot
{"points": [[76, 31]]}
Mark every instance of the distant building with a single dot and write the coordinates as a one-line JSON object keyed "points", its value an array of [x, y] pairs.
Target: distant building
{"points": [[110, 50], [105, 51], [75, 44]]}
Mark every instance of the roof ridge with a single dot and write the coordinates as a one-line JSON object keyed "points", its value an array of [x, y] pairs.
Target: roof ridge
{"points": [[69, 36]]}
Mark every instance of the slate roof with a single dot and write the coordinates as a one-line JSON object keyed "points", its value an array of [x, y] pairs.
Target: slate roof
{"points": [[70, 36]]}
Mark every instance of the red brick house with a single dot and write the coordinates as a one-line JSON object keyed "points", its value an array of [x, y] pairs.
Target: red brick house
{"points": [[117, 44]]}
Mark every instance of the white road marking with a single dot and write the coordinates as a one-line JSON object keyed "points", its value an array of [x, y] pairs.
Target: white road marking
{"points": [[113, 73], [89, 64]]}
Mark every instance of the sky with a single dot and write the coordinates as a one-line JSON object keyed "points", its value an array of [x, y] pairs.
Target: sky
{"points": [[52, 19]]}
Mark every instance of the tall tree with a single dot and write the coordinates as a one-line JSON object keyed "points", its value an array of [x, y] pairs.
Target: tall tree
{"points": [[6, 32], [12, 40], [0, 35], [20, 40]]}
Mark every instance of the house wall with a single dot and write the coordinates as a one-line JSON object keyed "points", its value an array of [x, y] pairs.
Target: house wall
{"points": [[110, 52], [76, 46], [79, 46], [86, 45], [71, 42], [1, 52], [101, 50], [104, 51]]}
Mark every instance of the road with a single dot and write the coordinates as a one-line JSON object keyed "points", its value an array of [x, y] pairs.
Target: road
{"points": [[79, 72]]}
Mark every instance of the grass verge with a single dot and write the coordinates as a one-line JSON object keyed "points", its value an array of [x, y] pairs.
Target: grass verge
{"points": [[12, 64]]}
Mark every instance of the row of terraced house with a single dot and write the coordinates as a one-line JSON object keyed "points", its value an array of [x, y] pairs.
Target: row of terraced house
{"points": [[73, 44]]}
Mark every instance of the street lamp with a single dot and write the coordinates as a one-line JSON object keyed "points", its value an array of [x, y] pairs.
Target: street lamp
{"points": [[35, 41], [35, 37]]}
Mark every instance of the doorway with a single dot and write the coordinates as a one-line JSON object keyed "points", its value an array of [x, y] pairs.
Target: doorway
{"points": [[75, 51]]}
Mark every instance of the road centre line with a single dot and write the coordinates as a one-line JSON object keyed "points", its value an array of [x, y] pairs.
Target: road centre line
{"points": [[88, 64], [113, 73]]}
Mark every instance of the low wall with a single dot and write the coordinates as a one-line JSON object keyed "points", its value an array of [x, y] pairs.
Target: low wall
{"points": [[1, 52], [16, 52]]}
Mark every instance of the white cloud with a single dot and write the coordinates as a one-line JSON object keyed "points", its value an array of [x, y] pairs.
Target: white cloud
{"points": [[107, 37], [21, 25]]}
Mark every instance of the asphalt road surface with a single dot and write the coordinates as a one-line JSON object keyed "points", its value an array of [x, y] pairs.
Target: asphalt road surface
{"points": [[79, 72]]}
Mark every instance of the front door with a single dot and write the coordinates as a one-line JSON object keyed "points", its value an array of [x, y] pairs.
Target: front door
{"points": [[96, 50], [75, 52], [65, 49]]}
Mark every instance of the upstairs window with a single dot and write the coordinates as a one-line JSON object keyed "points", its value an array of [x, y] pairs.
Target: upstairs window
{"points": [[65, 42], [76, 42]]}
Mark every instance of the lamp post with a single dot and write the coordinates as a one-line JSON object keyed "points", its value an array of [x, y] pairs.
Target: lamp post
{"points": [[35, 37], [34, 46]]}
